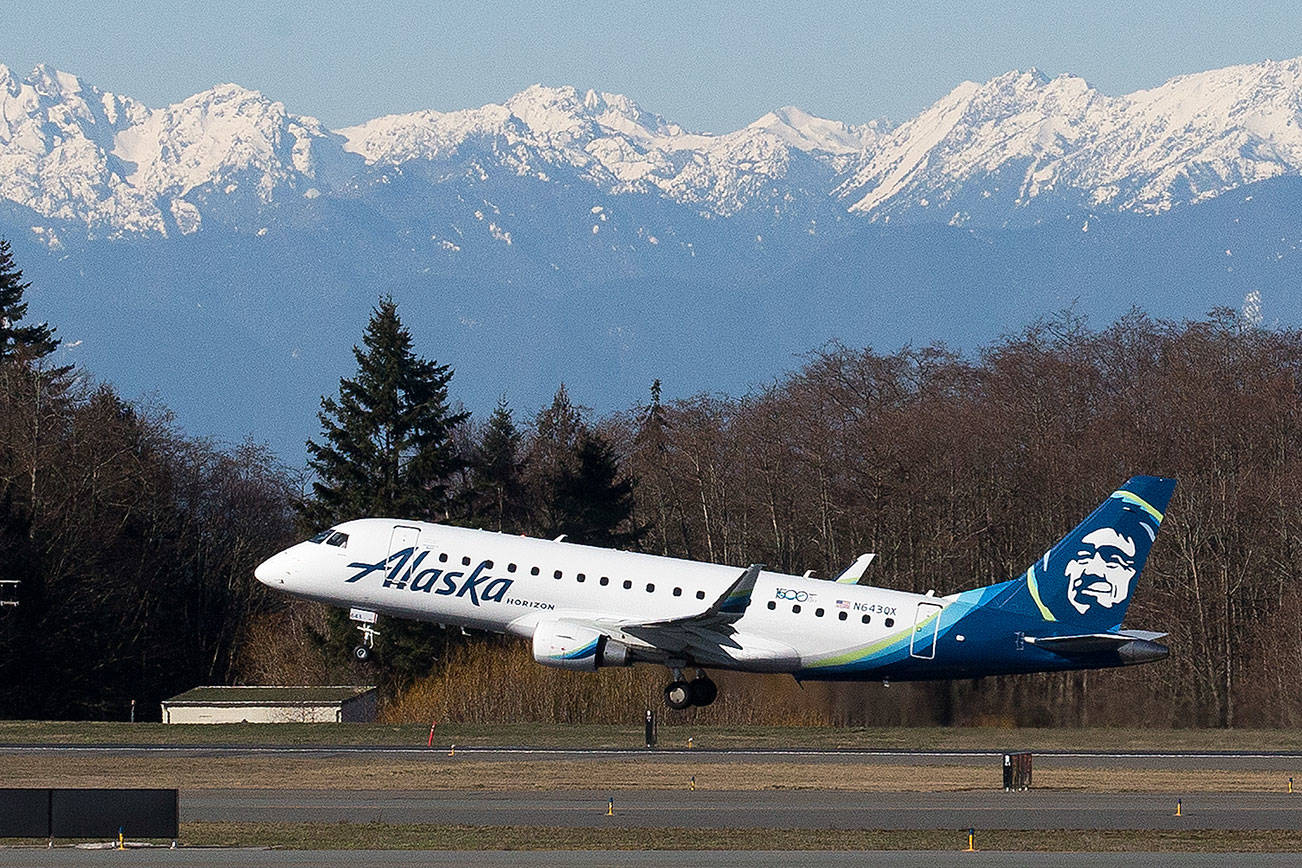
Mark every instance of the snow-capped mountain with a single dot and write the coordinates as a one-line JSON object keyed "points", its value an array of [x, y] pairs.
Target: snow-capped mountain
{"points": [[72, 152], [1022, 136], [223, 252]]}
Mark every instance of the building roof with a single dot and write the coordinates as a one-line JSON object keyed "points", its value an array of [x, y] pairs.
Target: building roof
{"points": [[256, 695]]}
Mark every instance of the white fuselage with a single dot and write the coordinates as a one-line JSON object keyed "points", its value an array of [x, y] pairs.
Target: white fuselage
{"points": [[511, 584]]}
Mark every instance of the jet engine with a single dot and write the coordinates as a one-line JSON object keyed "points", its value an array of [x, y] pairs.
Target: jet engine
{"points": [[574, 646]]}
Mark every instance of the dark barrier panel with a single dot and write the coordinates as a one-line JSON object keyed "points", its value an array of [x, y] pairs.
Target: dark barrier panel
{"points": [[100, 813], [24, 813], [1017, 771]]}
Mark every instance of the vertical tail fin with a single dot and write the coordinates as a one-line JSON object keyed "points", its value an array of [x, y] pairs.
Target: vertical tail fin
{"points": [[1085, 581]]}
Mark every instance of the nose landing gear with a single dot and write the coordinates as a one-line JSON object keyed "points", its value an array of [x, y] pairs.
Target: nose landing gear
{"points": [[682, 694], [366, 624]]}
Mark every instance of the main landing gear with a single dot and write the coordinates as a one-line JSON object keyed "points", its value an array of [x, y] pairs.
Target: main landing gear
{"points": [[681, 694]]}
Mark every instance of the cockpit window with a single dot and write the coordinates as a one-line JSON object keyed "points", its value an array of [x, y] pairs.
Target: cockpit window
{"points": [[322, 536], [338, 539]]}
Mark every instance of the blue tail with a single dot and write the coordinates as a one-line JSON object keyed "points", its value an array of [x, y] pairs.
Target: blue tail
{"points": [[1084, 583]]}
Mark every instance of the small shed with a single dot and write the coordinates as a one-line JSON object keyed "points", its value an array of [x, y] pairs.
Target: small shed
{"points": [[345, 704]]}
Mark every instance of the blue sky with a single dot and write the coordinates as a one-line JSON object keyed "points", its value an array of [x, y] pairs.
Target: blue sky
{"points": [[709, 66]]}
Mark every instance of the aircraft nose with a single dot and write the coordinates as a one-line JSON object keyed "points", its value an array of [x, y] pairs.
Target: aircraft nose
{"points": [[274, 570]]}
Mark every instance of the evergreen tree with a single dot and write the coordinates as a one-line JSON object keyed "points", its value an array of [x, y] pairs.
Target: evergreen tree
{"points": [[657, 479], [575, 480], [29, 342], [34, 393], [386, 446], [387, 450], [558, 427], [552, 454], [595, 506], [499, 467]]}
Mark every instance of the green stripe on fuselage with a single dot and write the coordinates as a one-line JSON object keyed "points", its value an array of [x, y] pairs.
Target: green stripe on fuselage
{"points": [[859, 655]]}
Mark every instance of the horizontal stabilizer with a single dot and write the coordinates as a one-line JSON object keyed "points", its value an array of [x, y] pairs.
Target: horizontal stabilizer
{"points": [[855, 571], [1134, 646]]}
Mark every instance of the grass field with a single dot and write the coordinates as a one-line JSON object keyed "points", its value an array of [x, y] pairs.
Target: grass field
{"points": [[554, 735]]}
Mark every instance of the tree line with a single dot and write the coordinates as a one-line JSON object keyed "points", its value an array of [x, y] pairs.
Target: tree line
{"points": [[130, 543], [136, 544], [959, 472]]}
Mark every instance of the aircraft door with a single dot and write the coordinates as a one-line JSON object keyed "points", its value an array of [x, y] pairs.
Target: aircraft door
{"points": [[403, 538], [926, 622]]}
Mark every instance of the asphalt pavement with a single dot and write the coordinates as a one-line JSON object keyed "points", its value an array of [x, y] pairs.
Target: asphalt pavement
{"points": [[765, 809]]}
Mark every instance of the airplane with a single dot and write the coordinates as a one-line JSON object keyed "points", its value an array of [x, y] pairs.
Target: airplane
{"points": [[585, 607]]}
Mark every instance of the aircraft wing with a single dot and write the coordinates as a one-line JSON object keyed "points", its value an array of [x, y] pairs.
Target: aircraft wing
{"points": [[704, 632]]}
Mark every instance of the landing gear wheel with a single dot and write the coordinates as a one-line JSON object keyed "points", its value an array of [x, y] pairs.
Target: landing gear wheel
{"points": [[703, 690], [678, 695], [365, 622]]}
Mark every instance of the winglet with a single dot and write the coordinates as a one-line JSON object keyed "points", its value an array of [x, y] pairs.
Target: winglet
{"points": [[735, 600], [855, 571]]}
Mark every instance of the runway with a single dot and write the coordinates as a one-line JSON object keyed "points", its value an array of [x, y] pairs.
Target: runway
{"points": [[982, 809]]}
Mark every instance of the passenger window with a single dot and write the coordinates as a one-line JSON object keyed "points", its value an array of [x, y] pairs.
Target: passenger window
{"points": [[795, 610], [650, 588], [556, 575], [510, 568], [322, 536], [866, 619], [443, 557], [488, 565], [465, 562], [841, 615], [581, 577], [700, 595], [627, 584], [605, 580], [678, 592], [890, 622], [338, 539], [533, 571], [818, 613], [772, 605]]}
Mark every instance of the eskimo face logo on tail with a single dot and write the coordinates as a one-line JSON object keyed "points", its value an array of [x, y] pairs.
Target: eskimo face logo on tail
{"points": [[1099, 566], [1102, 570], [401, 576]]}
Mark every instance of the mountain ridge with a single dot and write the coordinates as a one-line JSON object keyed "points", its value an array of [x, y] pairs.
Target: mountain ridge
{"points": [[224, 251], [75, 153]]}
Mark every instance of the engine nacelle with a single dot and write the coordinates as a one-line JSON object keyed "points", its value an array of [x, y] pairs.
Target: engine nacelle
{"points": [[574, 646]]}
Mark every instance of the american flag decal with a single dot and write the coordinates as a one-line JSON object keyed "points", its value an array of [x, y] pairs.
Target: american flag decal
{"points": [[843, 604]]}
